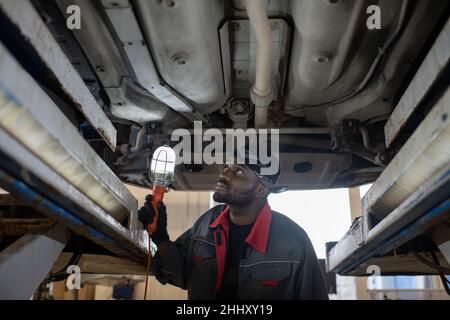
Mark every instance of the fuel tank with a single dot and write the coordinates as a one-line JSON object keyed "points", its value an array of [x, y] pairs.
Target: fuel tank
{"points": [[185, 46]]}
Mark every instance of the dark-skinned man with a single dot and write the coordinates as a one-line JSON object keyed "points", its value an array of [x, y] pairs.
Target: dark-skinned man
{"points": [[239, 250]]}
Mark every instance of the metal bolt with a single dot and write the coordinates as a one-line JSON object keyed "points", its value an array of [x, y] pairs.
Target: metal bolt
{"points": [[275, 26], [47, 19], [322, 57], [180, 59], [168, 3], [236, 26]]}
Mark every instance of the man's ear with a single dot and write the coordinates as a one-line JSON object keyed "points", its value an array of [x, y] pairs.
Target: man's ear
{"points": [[262, 191], [266, 191]]}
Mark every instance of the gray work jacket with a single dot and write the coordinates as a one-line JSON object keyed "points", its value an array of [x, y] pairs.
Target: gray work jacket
{"points": [[279, 261]]}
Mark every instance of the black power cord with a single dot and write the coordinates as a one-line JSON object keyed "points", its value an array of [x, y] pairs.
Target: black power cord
{"points": [[62, 274], [431, 264], [436, 266], [444, 279]]}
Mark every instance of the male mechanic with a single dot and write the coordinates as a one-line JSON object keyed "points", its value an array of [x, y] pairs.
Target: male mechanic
{"points": [[239, 250]]}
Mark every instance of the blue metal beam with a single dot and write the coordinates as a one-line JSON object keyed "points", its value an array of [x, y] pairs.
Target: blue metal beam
{"points": [[416, 228], [77, 225]]}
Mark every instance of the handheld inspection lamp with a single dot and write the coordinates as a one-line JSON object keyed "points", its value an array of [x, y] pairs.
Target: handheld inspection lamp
{"points": [[162, 171]]}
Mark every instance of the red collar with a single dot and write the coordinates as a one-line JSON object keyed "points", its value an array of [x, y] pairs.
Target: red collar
{"points": [[259, 235]]}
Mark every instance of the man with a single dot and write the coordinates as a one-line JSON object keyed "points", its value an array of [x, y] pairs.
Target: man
{"points": [[239, 250]]}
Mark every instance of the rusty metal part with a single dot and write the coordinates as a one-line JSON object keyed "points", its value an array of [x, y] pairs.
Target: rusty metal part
{"points": [[53, 139], [23, 15], [17, 227]]}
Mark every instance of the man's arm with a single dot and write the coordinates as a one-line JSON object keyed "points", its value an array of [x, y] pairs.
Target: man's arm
{"points": [[311, 283], [169, 263]]}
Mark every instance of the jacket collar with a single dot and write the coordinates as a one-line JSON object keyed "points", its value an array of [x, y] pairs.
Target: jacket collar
{"points": [[259, 235]]}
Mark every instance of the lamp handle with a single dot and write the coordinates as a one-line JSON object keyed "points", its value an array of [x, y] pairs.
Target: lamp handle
{"points": [[158, 196]]}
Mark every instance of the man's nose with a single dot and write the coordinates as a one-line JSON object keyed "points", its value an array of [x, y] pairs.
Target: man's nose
{"points": [[224, 178]]}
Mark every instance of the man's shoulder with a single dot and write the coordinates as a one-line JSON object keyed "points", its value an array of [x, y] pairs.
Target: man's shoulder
{"points": [[288, 236], [285, 226]]}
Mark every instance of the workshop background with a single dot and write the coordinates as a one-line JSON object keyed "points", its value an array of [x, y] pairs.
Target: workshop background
{"points": [[341, 207]]}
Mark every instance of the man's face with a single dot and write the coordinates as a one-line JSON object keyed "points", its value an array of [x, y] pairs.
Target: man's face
{"points": [[236, 186]]}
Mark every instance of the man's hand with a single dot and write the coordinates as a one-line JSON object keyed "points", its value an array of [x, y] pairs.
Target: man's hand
{"points": [[146, 215]]}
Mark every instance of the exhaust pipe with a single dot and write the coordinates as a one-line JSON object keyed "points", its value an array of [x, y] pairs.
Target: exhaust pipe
{"points": [[261, 93]]}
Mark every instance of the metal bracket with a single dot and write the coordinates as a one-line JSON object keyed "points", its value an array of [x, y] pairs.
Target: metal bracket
{"points": [[26, 262]]}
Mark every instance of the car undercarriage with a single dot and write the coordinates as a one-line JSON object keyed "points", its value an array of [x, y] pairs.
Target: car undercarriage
{"points": [[155, 66]]}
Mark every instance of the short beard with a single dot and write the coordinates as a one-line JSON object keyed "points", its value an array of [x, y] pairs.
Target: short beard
{"points": [[240, 199]]}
